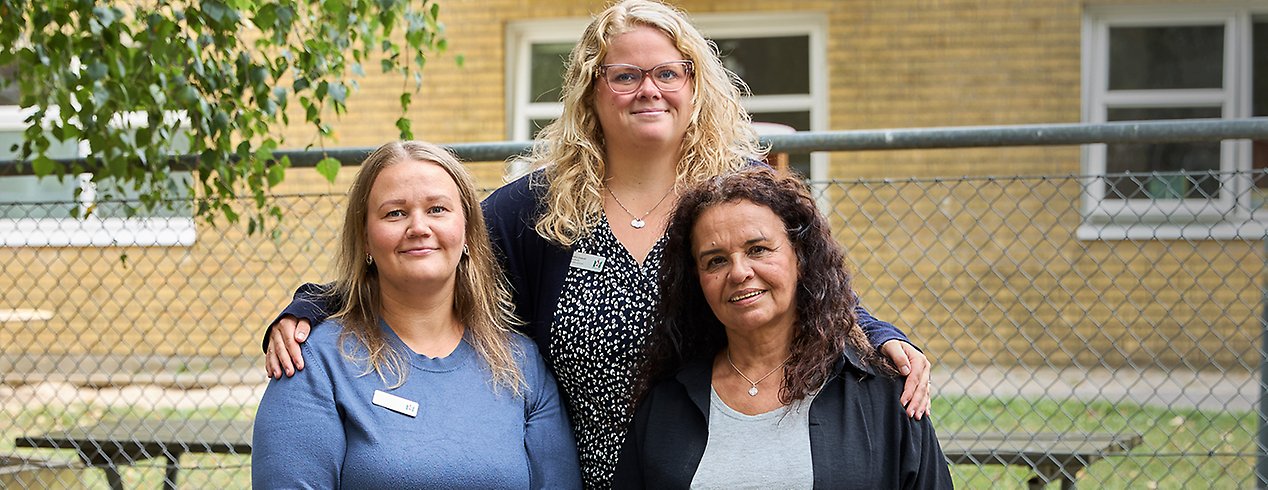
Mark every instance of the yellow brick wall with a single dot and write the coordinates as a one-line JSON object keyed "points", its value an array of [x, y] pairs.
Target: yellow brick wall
{"points": [[913, 63], [892, 64], [980, 268]]}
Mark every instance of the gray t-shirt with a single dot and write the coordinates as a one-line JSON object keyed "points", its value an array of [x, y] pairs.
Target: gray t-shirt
{"points": [[768, 450]]}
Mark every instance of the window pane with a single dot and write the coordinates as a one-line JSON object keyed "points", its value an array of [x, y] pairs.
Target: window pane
{"points": [[797, 120], [55, 197], [8, 85], [1259, 97], [27, 196], [111, 203], [547, 66], [770, 65], [536, 125], [1171, 57], [1163, 170]]}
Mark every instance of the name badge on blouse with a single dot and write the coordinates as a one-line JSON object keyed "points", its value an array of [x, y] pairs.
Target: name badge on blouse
{"points": [[585, 261], [396, 403]]}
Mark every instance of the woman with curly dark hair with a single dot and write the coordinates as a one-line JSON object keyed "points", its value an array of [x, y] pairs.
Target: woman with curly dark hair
{"points": [[774, 385]]}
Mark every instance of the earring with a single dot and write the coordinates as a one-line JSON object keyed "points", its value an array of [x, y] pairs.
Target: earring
{"points": [[369, 259], [465, 252]]}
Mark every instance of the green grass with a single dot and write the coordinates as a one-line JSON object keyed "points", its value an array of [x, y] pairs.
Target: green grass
{"points": [[1181, 448], [197, 470]]}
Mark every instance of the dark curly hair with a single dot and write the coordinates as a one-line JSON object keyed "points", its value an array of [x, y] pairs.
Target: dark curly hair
{"points": [[687, 329]]}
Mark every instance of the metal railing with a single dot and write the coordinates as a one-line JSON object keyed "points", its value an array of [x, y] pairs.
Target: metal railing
{"points": [[1033, 329]]}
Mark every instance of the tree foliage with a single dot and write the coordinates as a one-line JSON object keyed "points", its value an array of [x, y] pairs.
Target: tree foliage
{"points": [[131, 78]]}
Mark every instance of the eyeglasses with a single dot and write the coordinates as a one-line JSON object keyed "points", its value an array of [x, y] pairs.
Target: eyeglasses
{"points": [[669, 76]]}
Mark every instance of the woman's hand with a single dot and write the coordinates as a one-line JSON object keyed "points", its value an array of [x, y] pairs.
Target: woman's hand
{"points": [[284, 354], [911, 363]]}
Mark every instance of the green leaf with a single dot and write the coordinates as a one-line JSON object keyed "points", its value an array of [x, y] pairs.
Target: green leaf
{"points": [[266, 17], [43, 166], [95, 70], [215, 10], [285, 16], [259, 75], [404, 125], [329, 168], [277, 174]]}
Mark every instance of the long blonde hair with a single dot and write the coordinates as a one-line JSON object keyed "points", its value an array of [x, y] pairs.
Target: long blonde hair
{"points": [[719, 137], [482, 300]]}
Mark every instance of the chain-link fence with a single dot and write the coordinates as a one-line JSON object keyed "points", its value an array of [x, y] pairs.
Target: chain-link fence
{"points": [[1113, 342]]}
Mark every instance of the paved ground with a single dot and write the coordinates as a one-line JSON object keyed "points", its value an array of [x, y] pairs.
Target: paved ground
{"points": [[111, 381], [1229, 390], [208, 382]]}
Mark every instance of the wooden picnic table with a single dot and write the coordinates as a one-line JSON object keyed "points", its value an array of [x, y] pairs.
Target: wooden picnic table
{"points": [[111, 444], [1052, 456]]}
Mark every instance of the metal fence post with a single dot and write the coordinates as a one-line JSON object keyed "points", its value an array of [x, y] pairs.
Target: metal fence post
{"points": [[1261, 464]]}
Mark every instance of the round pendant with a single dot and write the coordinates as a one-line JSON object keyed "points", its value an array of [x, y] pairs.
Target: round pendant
{"points": [[752, 391], [638, 223]]}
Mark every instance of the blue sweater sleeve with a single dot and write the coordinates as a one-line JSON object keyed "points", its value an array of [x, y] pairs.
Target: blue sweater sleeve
{"points": [[298, 440], [310, 303], [552, 453], [878, 332]]}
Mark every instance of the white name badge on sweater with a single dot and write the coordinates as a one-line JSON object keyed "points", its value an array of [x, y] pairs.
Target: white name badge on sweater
{"points": [[395, 403], [585, 261]]}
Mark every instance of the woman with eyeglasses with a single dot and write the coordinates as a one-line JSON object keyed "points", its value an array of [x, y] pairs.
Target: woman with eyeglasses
{"points": [[648, 109]]}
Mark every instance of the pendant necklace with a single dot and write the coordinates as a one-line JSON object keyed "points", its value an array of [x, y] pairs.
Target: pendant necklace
{"points": [[752, 391], [637, 221]]}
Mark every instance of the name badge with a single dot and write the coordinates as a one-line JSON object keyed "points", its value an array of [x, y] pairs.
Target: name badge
{"points": [[585, 261], [395, 403]]}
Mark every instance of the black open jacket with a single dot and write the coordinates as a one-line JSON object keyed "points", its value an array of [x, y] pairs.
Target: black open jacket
{"points": [[860, 437]]}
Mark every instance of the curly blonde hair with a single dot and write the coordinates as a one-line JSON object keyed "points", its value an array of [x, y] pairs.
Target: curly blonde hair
{"points": [[719, 137], [482, 299]]}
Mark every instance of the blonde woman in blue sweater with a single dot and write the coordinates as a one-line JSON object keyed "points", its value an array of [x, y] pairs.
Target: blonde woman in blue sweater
{"points": [[419, 380]]}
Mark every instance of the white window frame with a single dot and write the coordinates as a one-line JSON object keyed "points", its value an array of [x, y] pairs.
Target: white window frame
{"points": [[91, 230], [521, 35], [1230, 214]]}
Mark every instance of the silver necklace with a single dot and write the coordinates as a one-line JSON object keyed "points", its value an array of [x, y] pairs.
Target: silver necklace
{"points": [[752, 391], [637, 221]]}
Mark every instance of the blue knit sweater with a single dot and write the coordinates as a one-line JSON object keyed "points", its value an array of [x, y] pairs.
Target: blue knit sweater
{"points": [[321, 429]]}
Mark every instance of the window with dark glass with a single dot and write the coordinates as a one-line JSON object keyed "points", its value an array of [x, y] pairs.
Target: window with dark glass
{"points": [[8, 85], [1259, 97], [777, 65], [546, 71], [1157, 59], [1170, 57], [769, 65], [1163, 170]]}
